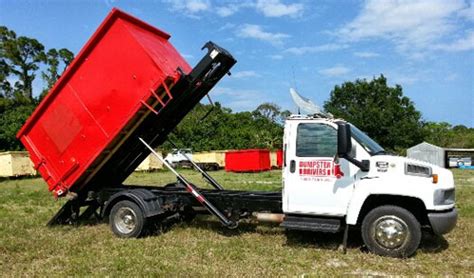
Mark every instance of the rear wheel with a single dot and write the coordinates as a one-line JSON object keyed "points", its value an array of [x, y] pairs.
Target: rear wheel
{"points": [[391, 231], [126, 219]]}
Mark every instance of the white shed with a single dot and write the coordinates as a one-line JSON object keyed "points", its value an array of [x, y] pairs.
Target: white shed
{"points": [[429, 153]]}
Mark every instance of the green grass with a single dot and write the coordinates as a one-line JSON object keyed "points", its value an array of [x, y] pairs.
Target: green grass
{"points": [[204, 248]]}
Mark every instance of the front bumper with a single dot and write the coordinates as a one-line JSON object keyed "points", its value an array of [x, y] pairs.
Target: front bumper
{"points": [[443, 222]]}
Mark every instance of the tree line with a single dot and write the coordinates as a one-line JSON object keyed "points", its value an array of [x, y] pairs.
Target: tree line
{"points": [[391, 118], [20, 60], [223, 130], [383, 112]]}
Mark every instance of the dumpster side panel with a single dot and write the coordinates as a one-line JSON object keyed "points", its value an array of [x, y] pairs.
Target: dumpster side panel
{"points": [[114, 79]]}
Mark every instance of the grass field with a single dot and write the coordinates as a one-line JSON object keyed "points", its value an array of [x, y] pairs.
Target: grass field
{"points": [[203, 247]]}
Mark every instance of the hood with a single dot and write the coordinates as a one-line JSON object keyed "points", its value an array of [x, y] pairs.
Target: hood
{"points": [[381, 165]]}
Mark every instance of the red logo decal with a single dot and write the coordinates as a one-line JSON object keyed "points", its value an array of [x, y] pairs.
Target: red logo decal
{"points": [[320, 169]]}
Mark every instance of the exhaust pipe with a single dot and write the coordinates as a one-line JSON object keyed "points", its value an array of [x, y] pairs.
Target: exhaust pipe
{"points": [[269, 217]]}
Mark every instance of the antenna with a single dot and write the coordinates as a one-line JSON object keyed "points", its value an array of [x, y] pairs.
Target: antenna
{"points": [[294, 78], [294, 85]]}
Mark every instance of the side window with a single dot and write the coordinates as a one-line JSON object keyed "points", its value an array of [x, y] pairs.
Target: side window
{"points": [[316, 140]]}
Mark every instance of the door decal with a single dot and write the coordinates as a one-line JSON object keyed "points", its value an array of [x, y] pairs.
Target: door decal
{"points": [[319, 170]]}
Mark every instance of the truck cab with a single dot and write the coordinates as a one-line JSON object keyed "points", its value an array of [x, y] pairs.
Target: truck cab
{"points": [[333, 171]]}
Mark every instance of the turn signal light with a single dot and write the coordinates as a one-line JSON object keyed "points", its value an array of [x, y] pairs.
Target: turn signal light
{"points": [[435, 178]]}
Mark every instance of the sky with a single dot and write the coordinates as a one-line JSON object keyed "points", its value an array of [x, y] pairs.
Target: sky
{"points": [[426, 46]]}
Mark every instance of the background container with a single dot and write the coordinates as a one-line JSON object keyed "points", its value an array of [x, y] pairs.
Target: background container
{"points": [[16, 164], [276, 158], [254, 160], [217, 157], [279, 155], [151, 163]]}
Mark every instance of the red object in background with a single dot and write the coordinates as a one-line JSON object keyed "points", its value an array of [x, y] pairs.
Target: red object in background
{"points": [[126, 67], [255, 160], [279, 155]]}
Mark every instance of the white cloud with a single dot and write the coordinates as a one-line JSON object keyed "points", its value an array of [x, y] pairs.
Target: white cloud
{"points": [[187, 56], [276, 57], [314, 49], [366, 54], [226, 26], [234, 7], [462, 44], [269, 8], [245, 74], [275, 8], [239, 99], [226, 11], [412, 26], [257, 32], [189, 7], [404, 80], [109, 3], [334, 71]]}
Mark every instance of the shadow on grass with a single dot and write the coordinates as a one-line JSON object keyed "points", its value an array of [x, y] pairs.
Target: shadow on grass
{"points": [[433, 243], [329, 241], [303, 239]]}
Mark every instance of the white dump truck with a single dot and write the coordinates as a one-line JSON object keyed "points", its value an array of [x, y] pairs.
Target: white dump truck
{"points": [[138, 88]]}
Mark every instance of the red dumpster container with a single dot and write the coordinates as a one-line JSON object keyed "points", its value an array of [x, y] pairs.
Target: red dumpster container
{"points": [[124, 72], [254, 160], [279, 155]]}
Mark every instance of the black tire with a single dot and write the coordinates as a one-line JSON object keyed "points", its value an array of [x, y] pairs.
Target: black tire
{"points": [[391, 231], [126, 220]]}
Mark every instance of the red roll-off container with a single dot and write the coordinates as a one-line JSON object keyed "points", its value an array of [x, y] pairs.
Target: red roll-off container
{"points": [[279, 155], [122, 84], [253, 160]]}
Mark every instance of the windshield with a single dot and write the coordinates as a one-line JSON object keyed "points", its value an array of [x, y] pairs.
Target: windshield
{"points": [[367, 143]]}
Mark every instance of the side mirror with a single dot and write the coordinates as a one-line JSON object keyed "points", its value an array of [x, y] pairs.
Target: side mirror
{"points": [[344, 143], [344, 146]]}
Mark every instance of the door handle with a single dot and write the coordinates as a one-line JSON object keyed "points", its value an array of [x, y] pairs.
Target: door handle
{"points": [[292, 166]]}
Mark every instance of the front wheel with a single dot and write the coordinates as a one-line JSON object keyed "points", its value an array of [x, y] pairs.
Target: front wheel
{"points": [[126, 219], [391, 231]]}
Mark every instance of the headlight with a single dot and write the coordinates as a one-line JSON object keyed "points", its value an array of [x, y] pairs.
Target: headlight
{"points": [[417, 170], [444, 197]]}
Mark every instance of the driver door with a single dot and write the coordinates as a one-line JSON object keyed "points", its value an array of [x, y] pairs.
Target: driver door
{"points": [[313, 182]]}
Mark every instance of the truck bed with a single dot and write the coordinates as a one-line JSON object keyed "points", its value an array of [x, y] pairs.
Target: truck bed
{"points": [[236, 204], [268, 201]]}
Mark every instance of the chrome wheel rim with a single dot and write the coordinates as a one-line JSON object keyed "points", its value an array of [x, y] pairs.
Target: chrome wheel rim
{"points": [[125, 220], [390, 231]]}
